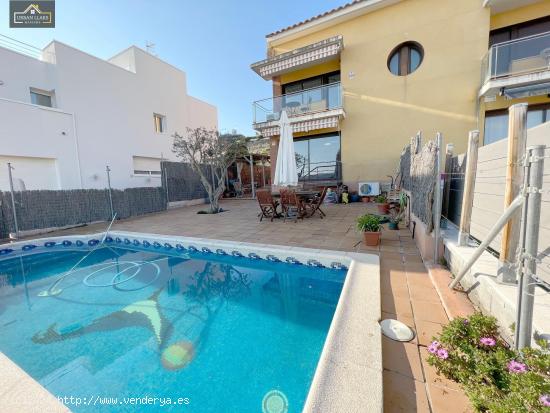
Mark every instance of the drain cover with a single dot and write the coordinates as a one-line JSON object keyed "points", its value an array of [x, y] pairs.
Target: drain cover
{"points": [[396, 330]]}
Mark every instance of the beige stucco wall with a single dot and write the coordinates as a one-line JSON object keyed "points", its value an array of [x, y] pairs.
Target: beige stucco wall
{"points": [[382, 110]]}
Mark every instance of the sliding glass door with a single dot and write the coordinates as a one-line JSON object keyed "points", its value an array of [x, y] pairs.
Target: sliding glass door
{"points": [[318, 157]]}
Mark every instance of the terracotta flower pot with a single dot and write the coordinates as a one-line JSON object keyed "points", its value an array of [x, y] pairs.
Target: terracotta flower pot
{"points": [[372, 239], [384, 208]]}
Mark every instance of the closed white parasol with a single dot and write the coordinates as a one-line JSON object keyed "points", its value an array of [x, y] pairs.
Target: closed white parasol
{"points": [[286, 173]]}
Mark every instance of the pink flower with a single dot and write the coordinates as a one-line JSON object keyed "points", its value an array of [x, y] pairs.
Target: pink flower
{"points": [[545, 399], [488, 341], [466, 321], [516, 367], [442, 354], [432, 348]]}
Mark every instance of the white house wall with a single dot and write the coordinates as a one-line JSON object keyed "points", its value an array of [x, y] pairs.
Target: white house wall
{"points": [[110, 107], [31, 131]]}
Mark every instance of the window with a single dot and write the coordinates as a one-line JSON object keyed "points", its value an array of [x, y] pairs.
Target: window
{"points": [[318, 157], [41, 98], [496, 122], [519, 31], [405, 58], [160, 123], [144, 165], [496, 127], [311, 82]]}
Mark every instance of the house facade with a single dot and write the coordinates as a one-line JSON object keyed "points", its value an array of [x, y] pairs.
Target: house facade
{"points": [[67, 115], [360, 80]]}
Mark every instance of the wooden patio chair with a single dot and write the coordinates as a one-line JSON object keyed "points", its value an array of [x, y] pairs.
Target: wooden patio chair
{"points": [[289, 202], [314, 204], [268, 205]]}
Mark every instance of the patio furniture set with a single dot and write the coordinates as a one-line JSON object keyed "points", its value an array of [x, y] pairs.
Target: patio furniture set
{"points": [[292, 204]]}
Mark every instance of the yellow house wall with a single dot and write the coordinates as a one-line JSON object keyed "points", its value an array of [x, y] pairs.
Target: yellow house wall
{"points": [[382, 110], [520, 15], [326, 67]]}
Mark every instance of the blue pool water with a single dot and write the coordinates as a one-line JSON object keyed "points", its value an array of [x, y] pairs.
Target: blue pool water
{"points": [[218, 331]]}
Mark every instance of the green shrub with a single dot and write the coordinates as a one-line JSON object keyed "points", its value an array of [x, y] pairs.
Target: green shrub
{"points": [[381, 199], [496, 378], [368, 223]]}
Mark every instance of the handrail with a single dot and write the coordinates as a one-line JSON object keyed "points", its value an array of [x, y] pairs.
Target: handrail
{"points": [[502, 221], [316, 99], [301, 92]]}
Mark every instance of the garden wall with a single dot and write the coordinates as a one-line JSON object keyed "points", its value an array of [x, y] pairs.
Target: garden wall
{"points": [[46, 209], [181, 183]]}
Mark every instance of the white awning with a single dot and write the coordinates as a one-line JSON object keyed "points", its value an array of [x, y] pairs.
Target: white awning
{"points": [[299, 58], [303, 125]]}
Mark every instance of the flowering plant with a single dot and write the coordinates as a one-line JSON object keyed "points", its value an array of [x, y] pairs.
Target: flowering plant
{"points": [[496, 378]]}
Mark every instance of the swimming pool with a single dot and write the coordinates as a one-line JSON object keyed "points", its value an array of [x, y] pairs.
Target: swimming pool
{"points": [[222, 329]]}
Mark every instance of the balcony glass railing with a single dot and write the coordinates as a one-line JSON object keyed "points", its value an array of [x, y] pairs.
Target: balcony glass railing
{"points": [[517, 57], [317, 99]]}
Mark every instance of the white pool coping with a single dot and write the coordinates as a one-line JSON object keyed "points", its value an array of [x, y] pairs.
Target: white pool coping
{"points": [[348, 377]]}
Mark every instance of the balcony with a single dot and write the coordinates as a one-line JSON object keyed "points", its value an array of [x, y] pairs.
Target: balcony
{"points": [[316, 108], [306, 56], [517, 68]]}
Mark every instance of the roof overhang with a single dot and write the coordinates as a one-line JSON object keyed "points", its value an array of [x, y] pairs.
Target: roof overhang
{"points": [[304, 123], [300, 58], [328, 19], [500, 6]]}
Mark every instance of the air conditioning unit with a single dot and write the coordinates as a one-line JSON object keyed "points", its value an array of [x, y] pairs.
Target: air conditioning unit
{"points": [[369, 188]]}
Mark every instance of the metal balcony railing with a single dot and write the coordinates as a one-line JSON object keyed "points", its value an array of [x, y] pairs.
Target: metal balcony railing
{"points": [[318, 99], [517, 57]]}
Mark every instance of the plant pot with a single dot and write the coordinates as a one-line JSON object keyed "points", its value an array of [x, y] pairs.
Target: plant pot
{"points": [[372, 239], [383, 209], [365, 199], [393, 225]]}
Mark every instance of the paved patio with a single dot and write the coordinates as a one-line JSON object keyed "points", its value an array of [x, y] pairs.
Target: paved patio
{"points": [[408, 294]]}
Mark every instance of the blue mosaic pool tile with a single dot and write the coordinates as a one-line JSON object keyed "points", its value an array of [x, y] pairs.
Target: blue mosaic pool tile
{"points": [[292, 260], [314, 263]]}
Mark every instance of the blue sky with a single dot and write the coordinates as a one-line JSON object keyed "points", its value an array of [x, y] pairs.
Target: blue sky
{"points": [[213, 41]]}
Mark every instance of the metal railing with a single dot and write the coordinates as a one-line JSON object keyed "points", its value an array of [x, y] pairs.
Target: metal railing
{"points": [[516, 57], [318, 99], [21, 47], [320, 171]]}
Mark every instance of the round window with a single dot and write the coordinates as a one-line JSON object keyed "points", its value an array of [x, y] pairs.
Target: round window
{"points": [[405, 58]]}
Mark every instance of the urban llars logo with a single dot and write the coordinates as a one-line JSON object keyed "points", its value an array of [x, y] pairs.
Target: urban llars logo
{"points": [[275, 402], [36, 13]]}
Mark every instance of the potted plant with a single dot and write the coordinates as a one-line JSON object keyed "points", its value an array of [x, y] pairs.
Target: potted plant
{"points": [[382, 204], [369, 225], [397, 213]]}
